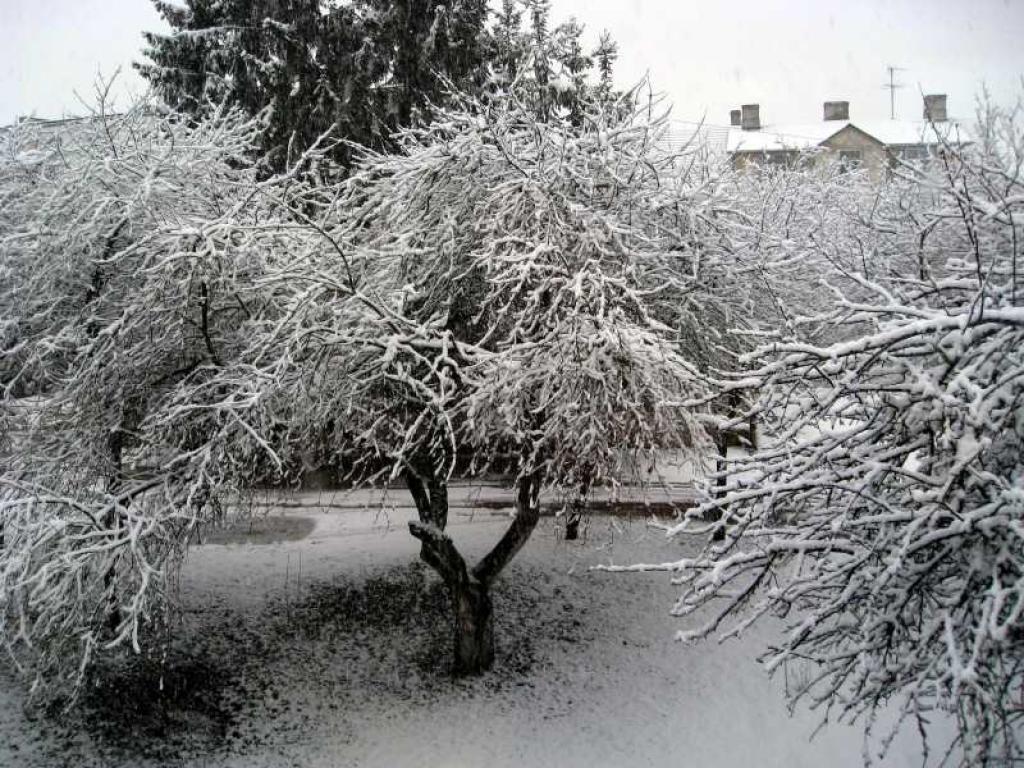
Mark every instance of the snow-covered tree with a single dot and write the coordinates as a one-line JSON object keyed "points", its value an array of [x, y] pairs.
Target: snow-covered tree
{"points": [[503, 292], [546, 65], [605, 55], [509, 43], [570, 83], [882, 516], [511, 290], [132, 250], [359, 70]]}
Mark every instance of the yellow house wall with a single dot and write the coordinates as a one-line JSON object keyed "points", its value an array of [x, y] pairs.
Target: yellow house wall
{"points": [[874, 157]]}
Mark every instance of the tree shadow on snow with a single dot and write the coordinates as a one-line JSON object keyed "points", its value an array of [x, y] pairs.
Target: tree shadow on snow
{"points": [[228, 682]]}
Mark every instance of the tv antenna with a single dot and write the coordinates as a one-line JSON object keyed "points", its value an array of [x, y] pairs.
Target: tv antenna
{"points": [[893, 86]]}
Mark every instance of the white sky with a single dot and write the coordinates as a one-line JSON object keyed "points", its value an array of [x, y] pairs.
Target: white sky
{"points": [[787, 55], [51, 48]]}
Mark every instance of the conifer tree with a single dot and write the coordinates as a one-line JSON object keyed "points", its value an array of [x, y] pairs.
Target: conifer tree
{"points": [[571, 87], [510, 47], [604, 56], [356, 71]]}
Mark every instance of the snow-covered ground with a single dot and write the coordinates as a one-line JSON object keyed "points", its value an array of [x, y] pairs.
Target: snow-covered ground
{"points": [[330, 651]]}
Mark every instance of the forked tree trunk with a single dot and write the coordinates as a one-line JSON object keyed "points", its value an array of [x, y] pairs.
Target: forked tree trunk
{"points": [[469, 590]]}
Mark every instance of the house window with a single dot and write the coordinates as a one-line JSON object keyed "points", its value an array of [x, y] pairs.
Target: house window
{"points": [[778, 158], [913, 153], [850, 158]]}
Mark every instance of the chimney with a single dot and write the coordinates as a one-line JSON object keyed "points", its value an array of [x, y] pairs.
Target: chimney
{"points": [[837, 110], [750, 117], [734, 117], [935, 107]]}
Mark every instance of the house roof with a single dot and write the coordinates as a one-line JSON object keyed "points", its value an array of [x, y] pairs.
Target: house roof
{"points": [[795, 137], [684, 134]]}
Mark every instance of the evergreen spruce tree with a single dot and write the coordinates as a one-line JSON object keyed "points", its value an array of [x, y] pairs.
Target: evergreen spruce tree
{"points": [[604, 56], [510, 47], [572, 90], [549, 65], [357, 71], [540, 12]]}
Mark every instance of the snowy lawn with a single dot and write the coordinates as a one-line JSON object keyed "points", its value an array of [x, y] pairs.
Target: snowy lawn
{"points": [[332, 650]]}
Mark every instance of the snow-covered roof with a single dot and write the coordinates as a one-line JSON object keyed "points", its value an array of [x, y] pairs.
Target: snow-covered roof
{"points": [[896, 132], [684, 134], [775, 138]]}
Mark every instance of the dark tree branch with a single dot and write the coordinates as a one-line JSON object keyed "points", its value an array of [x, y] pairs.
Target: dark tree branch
{"points": [[439, 552], [204, 306], [527, 514]]}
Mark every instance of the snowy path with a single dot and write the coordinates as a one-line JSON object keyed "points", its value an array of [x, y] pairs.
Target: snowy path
{"points": [[485, 497], [321, 653]]}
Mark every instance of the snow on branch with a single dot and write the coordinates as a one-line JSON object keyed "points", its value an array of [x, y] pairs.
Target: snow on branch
{"points": [[883, 516], [134, 260]]}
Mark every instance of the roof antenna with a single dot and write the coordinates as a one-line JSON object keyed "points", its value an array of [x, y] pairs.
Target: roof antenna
{"points": [[893, 86]]}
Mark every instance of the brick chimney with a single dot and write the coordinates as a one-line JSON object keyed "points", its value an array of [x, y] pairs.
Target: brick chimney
{"points": [[837, 110], [750, 117], [734, 117], [935, 107]]}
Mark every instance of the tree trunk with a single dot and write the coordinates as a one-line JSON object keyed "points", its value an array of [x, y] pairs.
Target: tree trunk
{"points": [[115, 444], [469, 589], [572, 520], [722, 442], [474, 628], [572, 524]]}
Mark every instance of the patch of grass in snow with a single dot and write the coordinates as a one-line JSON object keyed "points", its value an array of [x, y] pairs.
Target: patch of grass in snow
{"points": [[153, 707]]}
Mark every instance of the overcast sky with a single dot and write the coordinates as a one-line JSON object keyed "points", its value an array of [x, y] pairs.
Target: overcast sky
{"points": [[787, 55]]}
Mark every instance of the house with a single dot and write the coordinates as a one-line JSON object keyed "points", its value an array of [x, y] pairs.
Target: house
{"points": [[874, 145]]}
